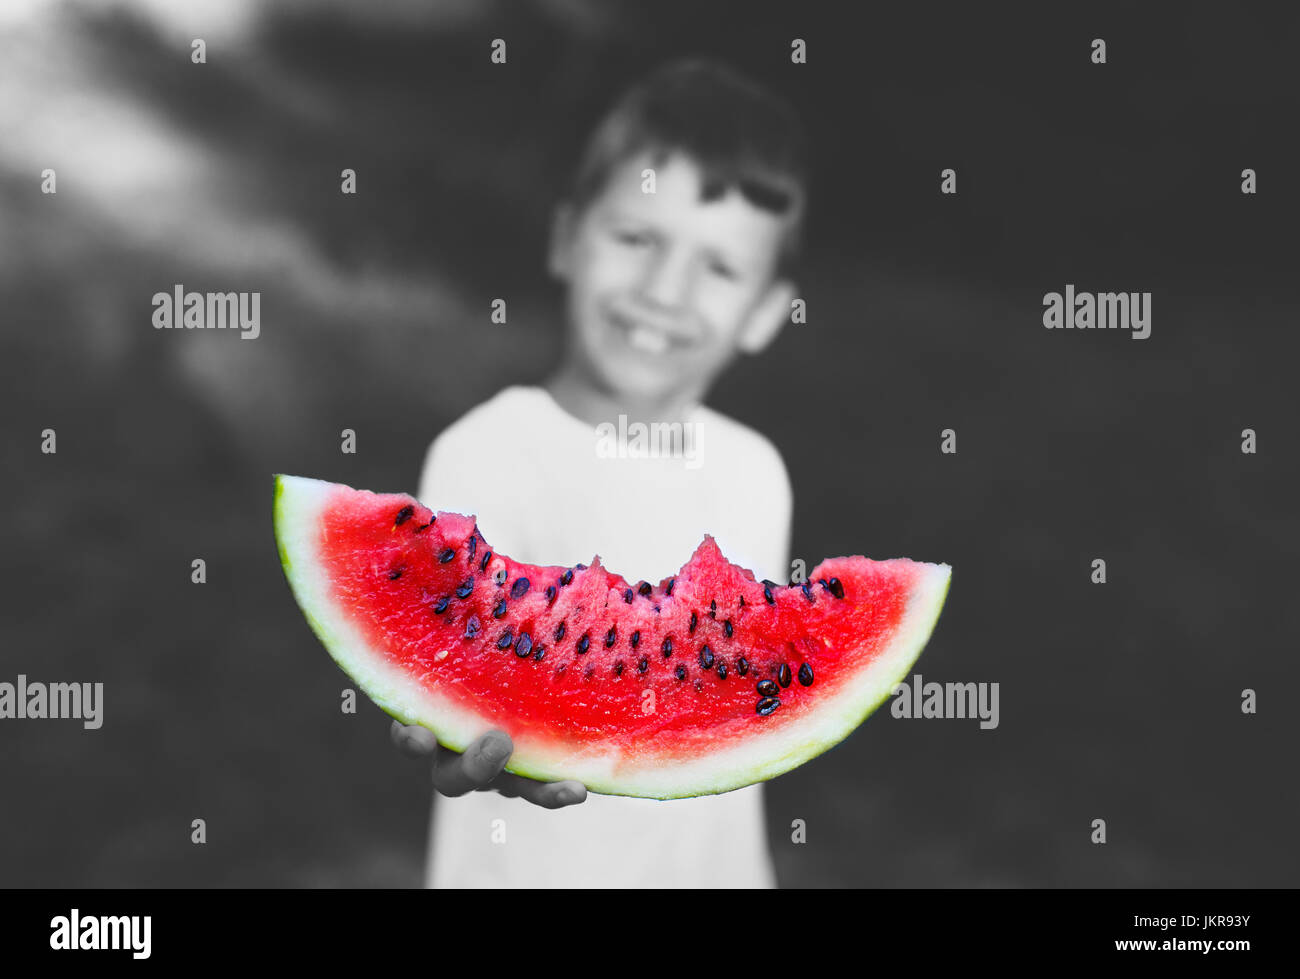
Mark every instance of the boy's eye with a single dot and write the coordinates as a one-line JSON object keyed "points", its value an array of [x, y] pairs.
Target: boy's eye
{"points": [[722, 269], [632, 237]]}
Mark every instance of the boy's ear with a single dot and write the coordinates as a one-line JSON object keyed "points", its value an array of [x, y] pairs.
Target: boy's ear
{"points": [[558, 257], [767, 317]]}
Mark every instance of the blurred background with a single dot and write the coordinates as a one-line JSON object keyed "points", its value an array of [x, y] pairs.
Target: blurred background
{"points": [[1118, 701]]}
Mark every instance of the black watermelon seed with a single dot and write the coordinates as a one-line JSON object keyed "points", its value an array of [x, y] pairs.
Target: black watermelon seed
{"points": [[635, 638], [822, 582], [423, 527], [583, 643], [722, 671], [395, 574], [672, 582], [523, 645], [403, 515], [442, 605], [500, 576], [767, 705], [446, 555], [580, 567], [539, 653], [520, 588], [506, 640], [642, 665], [611, 636], [767, 688], [627, 596], [806, 675], [559, 632], [806, 588], [465, 588], [694, 621], [836, 588], [681, 671], [550, 594], [727, 630], [644, 588], [706, 657], [742, 601], [618, 668], [767, 594], [500, 609], [473, 543], [668, 647], [482, 565], [742, 666], [471, 627], [783, 675], [566, 577], [713, 609]]}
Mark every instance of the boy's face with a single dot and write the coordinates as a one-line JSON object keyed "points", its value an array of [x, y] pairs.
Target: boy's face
{"points": [[663, 288]]}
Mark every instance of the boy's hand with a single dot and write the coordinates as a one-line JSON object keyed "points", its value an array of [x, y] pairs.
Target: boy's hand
{"points": [[480, 768]]}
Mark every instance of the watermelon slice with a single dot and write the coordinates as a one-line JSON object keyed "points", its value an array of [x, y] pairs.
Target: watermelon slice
{"points": [[696, 684]]}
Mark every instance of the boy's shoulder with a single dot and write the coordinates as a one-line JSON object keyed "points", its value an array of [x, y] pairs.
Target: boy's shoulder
{"points": [[514, 404], [739, 442], [510, 399], [507, 421]]}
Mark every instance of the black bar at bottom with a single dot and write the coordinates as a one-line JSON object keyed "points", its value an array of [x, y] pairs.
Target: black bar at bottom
{"points": [[394, 930]]}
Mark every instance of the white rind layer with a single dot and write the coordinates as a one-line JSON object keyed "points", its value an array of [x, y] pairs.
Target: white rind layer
{"points": [[603, 769]]}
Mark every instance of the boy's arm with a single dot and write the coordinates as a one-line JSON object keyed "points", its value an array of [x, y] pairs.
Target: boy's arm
{"points": [[779, 515], [440, 488], [481, 766], [785, 518]]}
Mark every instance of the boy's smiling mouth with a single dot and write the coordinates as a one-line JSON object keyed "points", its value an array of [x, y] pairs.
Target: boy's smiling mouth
{"points": [[646, 337]]}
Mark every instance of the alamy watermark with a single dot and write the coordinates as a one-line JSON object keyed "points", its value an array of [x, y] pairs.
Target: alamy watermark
{"points": [[102, 932], [55, 701], [181, 310], [946, 700], [1098, 311], [653, 440]]}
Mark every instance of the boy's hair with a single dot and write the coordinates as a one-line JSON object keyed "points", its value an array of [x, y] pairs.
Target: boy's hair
{"points": [[737, 132]]}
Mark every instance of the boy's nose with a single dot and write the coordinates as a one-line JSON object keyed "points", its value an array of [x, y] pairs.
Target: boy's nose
{"points": [[667, 281]]}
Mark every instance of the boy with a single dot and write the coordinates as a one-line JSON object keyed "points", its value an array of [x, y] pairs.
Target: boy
{"points": [[664, 288]]}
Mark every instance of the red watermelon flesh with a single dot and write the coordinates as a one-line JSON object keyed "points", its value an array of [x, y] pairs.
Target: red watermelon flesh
{"points": [[698, 683]]}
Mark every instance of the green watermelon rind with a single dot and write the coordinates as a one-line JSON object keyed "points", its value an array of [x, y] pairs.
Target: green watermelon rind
{"points": [[760, 758]]}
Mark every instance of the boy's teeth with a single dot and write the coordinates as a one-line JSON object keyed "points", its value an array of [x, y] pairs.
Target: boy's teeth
{"points": [[651, 341]]}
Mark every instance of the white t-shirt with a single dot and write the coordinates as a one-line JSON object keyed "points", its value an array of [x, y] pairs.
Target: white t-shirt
{"points": [[548, 490]]}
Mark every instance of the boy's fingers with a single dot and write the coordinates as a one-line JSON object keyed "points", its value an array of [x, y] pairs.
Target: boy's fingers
{"points": [[480, 767], [548, 795], [482, 761], [412, 739]]}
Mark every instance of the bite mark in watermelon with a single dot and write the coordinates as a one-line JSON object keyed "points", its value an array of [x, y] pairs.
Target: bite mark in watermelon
{"points": [[697, 684]]}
